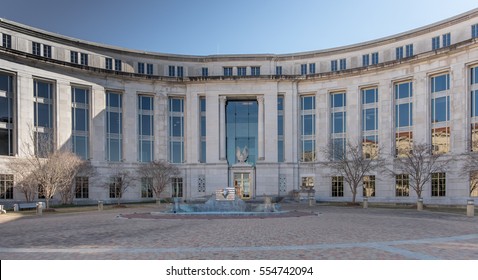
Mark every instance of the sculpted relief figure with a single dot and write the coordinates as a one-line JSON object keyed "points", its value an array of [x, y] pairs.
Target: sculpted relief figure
{"points": [[242, 156]]}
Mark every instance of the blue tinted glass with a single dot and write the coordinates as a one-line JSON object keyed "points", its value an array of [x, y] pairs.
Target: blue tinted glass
{"points": [[280, 103], [203, 126], [280, 125], [440, 109], [308, 146], [177, 148], [474, 75], [79, 96], [114, 122], [114, 149], [146, 151], [339, 148], [338, 100], [113, 100], [338, 125], [280, 151], [403, 90], [43, 90], [474, 103], [440, 83], [5, 113], [176, 126], [203, 152], [146, 103], [176, 105], [44, 115], [403, 115], [80, 121], [370, 119], [308, 125], [146, 125], [308, 103], [80, 146], [369, 96]]}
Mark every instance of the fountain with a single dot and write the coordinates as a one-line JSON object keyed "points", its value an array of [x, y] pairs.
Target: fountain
{"points": [[224, 202]]}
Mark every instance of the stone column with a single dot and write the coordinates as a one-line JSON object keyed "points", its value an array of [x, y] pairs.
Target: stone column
{"points": [[222, 127], [260, 127]]}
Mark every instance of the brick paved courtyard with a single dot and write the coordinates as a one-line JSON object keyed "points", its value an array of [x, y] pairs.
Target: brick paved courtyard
{"points": [[326, 232]]}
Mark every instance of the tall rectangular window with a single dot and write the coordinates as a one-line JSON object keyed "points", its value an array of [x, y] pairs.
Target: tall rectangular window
{"points": [[403, 117], [202, 110], [402, 185], [146, 187], [6, 186], [84, 59], [312, 68], [114, 126], [140, 67], [446, 39], [435, 42], [118, 65], [474, 31], [440, 113], [474, 107], [81, 187], [176, 130], [47, 51], [241, 71], [109, 63], [177, 187], [303, 69], [278, 70], [171, 71], [36, 48], [255, 71], [365, 60], [204, 72], [338, 127], [74, 57], [439, 184], [409, 50], [374, 58], [399, 53], [280, 128], [337, 186], [180, 71], [307, 132], [333, 66], [43, 117], [145, 128], [369, 185], [369, 122], [227, 71], [343, 64], [7, 122], [80, 121], [149, 69], [7, 41], [116, 191]]}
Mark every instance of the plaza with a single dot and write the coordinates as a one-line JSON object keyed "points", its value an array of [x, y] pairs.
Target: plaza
{"points": [[320, 232]]}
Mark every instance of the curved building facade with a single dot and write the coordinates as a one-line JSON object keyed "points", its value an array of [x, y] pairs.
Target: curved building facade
{"points": [[257, 122]]}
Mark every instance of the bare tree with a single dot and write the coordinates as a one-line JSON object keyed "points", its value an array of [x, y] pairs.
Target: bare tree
{"points": [[160, 172], [118, 183], [50, 170], [470, 170], [419, 163], [352, 161], [25, 182]]}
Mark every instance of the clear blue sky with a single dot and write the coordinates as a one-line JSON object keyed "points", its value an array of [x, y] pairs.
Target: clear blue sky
{"points": [[204, 27]]}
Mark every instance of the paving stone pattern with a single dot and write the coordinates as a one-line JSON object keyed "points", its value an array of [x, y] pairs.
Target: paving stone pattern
{"points": [[320, 232]]}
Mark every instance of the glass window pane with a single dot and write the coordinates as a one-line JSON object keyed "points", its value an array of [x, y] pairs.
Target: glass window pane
{"points": [[338, 125], [114, 122], [440, 109], [146, 125], [308, 103], [308, 126], [113, 100], [146, 151], [81, 121], [370, 119], [176, 129], [403, 115], [80, 146], [44, 115], [114, 149], [43, 90], [474, 103], [79, 96], [440, 83], [280, 125]]}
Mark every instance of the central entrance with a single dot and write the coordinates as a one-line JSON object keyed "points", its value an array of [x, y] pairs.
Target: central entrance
{"points": [[242, 184]]}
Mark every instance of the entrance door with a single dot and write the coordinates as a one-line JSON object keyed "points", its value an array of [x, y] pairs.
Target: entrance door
{"points": [[242, 184]]}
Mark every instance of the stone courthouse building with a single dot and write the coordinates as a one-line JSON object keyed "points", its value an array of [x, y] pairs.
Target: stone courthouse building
{"points": [[257, 122]]}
